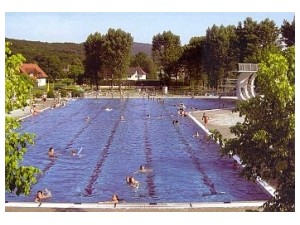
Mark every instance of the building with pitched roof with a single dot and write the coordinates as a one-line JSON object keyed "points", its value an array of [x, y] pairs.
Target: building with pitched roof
{"points": [[33, 70], [136, 73]]}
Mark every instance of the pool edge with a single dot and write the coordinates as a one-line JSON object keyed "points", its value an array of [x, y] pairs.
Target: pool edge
{"points": [[92, 207]]}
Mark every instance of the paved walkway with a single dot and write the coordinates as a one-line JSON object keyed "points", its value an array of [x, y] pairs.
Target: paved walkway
{"points": [[23, 113], [220, 119]]}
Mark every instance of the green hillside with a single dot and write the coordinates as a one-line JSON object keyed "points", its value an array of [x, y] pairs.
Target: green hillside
{"points": [[66, 52]]}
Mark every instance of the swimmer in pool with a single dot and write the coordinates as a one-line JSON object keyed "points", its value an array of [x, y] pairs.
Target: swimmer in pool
{"points": [[73, 152], [132, 182], [51, 152], [114, 199], [40, 195], [196, 135], [142, 169]]}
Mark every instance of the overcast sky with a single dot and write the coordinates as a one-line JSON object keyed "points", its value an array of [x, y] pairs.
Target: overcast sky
{"points": [[75, 27]]}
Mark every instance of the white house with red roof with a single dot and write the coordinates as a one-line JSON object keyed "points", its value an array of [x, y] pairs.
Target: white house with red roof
{"points": [[136, 73], [33, 70]]}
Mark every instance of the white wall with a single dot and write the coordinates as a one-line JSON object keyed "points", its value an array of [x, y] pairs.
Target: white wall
{"points": [[41, 82]]}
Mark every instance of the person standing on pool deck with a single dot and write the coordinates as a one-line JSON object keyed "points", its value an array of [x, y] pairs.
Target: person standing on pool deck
{"points": [[205, 120], [44, 97]]}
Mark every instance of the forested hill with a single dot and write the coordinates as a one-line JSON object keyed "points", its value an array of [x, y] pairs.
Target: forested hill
{"points": [[31, 50], [141, 47]]}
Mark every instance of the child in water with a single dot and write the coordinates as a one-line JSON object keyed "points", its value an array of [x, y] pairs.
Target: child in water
{"points": [[40, 195]]}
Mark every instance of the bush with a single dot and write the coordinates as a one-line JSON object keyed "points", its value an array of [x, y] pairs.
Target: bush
{"points": [[67, 81], [63, 93], [37, 92], [50, 94], [76, 93]]}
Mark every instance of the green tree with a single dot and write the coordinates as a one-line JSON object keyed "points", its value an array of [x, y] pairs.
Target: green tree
{"points": [[51, 57], [266, 139], [146, 63], [51, 65], [117, 47], [18, 178], [288, 32], [256, 39], [166, 51], [192, 60], [76, 69], [219, 58], [94, 55]]}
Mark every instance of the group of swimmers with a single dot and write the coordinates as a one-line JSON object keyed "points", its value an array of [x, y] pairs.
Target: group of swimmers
{"points": [[181, 110], [53, 154], [132, 182], [42, 195]]}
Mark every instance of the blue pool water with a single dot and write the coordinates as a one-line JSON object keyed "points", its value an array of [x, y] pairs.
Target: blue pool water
{"points": [[185, 169]]}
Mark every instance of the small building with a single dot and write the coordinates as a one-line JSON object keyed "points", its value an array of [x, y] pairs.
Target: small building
{"points": [[33, 70], [136, 73]]}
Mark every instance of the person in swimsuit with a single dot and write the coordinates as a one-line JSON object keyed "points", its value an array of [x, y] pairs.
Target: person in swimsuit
{"points": [[205, 120]]}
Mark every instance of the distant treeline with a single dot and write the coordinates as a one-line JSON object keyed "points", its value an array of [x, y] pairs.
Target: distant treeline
{"points": [[66, 52]]}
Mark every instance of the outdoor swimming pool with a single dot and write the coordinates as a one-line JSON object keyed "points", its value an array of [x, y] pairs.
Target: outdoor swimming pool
{"points": [[185, 169]]}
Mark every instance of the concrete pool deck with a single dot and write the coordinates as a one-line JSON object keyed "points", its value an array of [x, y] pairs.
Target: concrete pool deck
{"points": [[220, 119], [134, 207]]}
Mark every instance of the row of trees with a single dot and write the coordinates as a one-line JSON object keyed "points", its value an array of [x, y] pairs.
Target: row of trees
{"points": [[66, 60], [209, 59], [204, 60]]}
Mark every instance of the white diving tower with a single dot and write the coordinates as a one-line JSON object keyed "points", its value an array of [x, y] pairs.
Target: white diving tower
{"points": [[245, 81]]}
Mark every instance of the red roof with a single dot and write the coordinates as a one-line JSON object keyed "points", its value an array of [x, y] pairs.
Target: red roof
{"points": [[33, 70], [138, 69]]}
